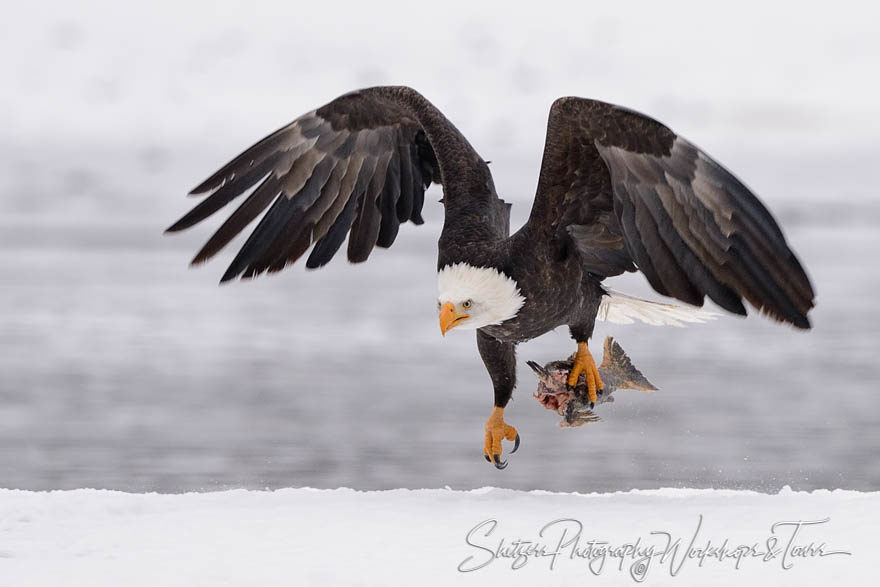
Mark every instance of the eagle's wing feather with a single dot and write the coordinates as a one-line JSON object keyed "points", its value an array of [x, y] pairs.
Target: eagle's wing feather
{"points": [[357, 166], [630, 193]]}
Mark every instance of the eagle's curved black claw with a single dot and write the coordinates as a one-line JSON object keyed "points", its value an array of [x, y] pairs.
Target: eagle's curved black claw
{"points": [[592, 405], [499, 464], [601, 391], [515, 443], [488, 460]]}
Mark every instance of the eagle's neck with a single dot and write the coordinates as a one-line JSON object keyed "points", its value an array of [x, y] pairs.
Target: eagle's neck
{"points": [[496, 295]]}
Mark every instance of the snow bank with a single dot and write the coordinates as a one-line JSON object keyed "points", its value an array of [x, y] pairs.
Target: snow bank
{"points": [[429, 537]]}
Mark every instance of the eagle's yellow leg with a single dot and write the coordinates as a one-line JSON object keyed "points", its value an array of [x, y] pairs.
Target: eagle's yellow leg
{"points": [[496, 431], [584, 363]]}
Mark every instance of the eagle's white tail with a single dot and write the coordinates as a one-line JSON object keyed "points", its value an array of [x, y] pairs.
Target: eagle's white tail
{"points": [[623, 309]]}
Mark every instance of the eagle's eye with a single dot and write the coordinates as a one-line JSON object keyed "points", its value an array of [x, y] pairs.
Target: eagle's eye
{"points": [[466, 305]]}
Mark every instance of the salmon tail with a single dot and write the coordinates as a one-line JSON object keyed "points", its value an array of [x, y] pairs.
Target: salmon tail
{"points": [[615, 359]]}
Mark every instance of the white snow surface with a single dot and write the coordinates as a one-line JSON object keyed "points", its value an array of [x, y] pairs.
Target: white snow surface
{"points": [[418, 537]]}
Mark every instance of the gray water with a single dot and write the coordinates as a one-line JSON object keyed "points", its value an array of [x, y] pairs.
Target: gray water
{"points": [[122, 368]]}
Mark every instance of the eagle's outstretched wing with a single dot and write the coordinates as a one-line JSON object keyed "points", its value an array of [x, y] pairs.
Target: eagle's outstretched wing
{"points": [[358, 164], [630, 193]]}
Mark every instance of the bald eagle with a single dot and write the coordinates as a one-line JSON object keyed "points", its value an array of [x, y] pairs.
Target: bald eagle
{"points": [[617, 191]]}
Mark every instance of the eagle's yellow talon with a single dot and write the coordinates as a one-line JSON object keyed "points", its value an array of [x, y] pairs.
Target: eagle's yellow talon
{"points": [[496, 431], [584, 363]]}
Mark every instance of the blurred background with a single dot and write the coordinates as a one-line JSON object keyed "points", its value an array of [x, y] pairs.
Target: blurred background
{"points": [[120, 367]]}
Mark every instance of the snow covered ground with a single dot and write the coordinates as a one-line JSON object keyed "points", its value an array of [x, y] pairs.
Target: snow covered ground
{"points": [[437, 537]]}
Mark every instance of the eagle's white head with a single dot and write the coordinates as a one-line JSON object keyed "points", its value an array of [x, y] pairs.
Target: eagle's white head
{"points": [[473, 297]]}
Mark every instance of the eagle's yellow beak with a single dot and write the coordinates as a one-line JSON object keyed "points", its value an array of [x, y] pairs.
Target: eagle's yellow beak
{"points": [[449, 317]]}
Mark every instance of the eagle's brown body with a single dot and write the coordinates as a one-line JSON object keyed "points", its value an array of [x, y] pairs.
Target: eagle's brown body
{"points": [[618, 191]]}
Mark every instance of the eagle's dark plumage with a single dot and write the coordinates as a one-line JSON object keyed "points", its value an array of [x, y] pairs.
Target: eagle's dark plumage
{"points": [[618, 191], [319, 174], [632, 194]]}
